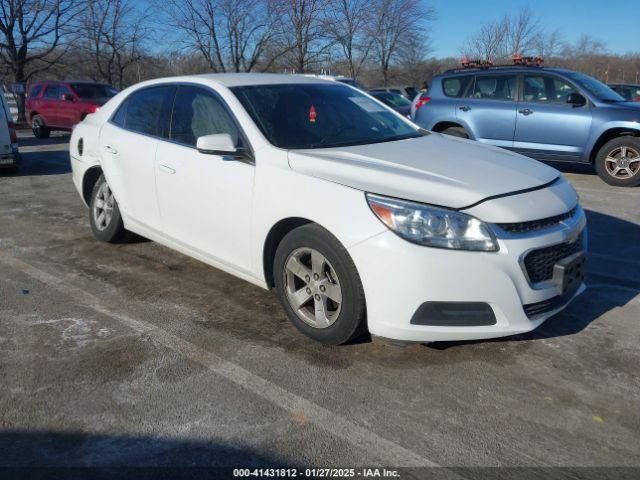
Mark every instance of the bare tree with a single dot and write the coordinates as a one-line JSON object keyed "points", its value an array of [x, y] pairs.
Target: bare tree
{"points": [[398, 21], [500, 39], [520, 31], [348, 23], [549, 44], [231, 35], [31, 32], [302, 33], [114, 34]]}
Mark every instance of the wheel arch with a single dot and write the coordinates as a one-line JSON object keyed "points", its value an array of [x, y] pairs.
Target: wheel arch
{"points": [[33, 114], [610, 135], [273, 239], [441, 126], [89, 180]]}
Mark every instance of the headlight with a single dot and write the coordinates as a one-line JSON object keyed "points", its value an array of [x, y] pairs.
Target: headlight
{"points": [[432, 226]]}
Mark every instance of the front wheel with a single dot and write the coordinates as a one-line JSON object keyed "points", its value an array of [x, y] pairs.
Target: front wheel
{"points": [[318, 285], [618, 162], [456, 132], [105, 218]]}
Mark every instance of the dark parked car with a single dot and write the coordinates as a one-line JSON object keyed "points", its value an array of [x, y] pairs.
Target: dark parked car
{"points": [[53, 105], [407, 92], [545, 113], [394, 100], [629, 91]]}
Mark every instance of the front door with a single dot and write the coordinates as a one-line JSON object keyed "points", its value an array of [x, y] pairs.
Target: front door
{"points": [[489, 109], [205, 200], [547, 127], [128, 145]]}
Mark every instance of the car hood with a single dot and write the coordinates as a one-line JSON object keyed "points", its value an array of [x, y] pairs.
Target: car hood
{"points": [[435, 169]]}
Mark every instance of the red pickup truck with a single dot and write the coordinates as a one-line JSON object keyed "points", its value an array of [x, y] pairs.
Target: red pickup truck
{"points": [[53, 105]]}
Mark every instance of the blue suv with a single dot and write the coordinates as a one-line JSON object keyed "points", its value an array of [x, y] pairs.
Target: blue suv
{"points": [[546, 113]]}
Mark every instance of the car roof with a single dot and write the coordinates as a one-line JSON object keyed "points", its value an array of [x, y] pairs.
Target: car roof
{"points": [[507, 69], [249, 79]]}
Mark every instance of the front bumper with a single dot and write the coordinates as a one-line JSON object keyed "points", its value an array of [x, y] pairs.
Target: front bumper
{"points": [[10, 159], [398, 277]]}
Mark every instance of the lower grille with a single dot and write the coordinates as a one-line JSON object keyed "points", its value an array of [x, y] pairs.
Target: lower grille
{"points": [[538, 308], [539, 263]]}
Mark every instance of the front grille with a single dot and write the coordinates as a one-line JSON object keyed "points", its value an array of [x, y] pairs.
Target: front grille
{"points": [[534, 225], [539, 263]]}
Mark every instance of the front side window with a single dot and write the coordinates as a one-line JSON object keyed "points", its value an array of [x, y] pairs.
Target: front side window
{"points": [[318, 115], [145, 108], [53, 92], [495, 87], [196, 113], [455, 86], [546, 89]]}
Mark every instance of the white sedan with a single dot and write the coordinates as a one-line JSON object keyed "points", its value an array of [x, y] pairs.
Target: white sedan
{"points": [[357, 218]]}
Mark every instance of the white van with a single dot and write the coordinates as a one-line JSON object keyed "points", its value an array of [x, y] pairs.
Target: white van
{"points": [[9, 156]]}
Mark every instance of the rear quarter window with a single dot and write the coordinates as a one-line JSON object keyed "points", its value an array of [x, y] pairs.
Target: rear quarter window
{"points": [[35, 91], [455, 86]]}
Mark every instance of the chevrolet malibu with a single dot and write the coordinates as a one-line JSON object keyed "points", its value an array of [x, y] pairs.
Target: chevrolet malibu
{"points": [[357, 218]]}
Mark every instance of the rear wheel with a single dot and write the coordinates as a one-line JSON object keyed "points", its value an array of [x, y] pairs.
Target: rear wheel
{"points": [[318, 286], [456, 132], [618, 162], [106, 221], [39, 128]]}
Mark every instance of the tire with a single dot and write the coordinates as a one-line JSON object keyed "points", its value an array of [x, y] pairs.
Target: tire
{"points": [[622, 153], [106, 223], [456, 132], [339, 280], [39, 128]]}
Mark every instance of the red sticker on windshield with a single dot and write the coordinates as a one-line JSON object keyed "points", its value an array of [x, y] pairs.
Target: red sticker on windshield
{"points": [[312, 114]]}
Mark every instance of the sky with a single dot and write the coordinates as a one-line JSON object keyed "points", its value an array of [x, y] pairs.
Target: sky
{"points": [[614, 22]]}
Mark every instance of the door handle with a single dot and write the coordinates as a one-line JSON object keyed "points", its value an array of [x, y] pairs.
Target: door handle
{"points": [[525, 111], [166, 169], [110, 149], [465, 108]]}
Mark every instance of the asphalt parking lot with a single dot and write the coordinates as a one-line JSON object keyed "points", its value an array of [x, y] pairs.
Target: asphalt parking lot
{"points": [[134, 355]]}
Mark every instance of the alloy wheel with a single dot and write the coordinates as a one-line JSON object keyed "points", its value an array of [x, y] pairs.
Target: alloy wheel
{"points": [[103, 207], [622, 162], [312, 287]]}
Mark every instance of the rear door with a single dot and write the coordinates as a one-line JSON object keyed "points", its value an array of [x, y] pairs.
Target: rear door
{"points": [[489, 108], [547, 127], [128, 144]]}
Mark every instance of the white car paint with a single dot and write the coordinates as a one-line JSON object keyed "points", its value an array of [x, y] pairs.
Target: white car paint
{"points": [[221, 212]]}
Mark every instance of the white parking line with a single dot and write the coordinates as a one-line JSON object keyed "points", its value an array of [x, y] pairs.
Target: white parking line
{"points": [[386, 452]]}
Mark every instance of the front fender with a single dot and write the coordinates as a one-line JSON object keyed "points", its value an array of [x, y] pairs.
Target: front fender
{"points": [[605, 129]]}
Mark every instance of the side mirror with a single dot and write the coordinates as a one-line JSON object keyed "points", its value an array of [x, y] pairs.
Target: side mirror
{"points": [[576, 100], [67, 97], [217, 144]]}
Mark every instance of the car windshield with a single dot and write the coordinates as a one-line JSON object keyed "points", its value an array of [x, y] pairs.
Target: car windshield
{"points": [[93, 90], [312, 115], [596, 88], [392, 99]]}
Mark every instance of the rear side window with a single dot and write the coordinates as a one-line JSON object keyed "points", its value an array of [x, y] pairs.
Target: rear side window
{"points": [[455, 86], [196, 113], [495, 87], [35, 91], [144, 112]]}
